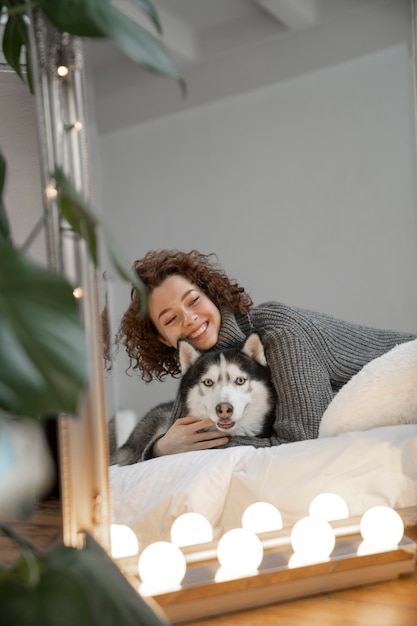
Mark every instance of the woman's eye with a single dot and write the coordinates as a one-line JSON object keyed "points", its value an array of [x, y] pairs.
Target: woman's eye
{"points": [[169, 321], [240, 380], [207, 382], [194, 300]]}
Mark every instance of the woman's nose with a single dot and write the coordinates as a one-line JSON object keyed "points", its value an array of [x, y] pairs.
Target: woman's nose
{"points": [[189, 317]]}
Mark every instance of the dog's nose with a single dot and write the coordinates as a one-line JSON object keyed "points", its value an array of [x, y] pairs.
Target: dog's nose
{"points": [[224, 409]]}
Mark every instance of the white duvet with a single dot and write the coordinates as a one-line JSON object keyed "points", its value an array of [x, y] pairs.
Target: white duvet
{"points": [[377, 466]]}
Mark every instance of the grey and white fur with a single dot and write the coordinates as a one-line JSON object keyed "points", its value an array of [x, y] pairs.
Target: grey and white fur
{"points": [[232, 387]]}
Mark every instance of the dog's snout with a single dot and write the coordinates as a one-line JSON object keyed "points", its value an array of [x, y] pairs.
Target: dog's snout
{"points": [[224, 409]]}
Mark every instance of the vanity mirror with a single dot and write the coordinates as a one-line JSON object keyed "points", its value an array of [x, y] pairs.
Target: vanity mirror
{"points": [[320, 195]]}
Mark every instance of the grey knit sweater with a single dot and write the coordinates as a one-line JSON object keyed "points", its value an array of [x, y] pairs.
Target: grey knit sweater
{"points": [[311, 356]]}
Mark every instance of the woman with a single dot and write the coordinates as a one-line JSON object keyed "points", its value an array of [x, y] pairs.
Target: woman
{"points": [[311, 355]]}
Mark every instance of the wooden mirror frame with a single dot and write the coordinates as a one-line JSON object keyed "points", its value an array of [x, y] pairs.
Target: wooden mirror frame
{"points": [[83, 447]]}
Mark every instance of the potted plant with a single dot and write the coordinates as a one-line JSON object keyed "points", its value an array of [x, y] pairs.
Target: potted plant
{"points": [[43, 374]]}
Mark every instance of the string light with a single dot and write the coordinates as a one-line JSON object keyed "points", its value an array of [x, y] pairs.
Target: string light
{"points": [[51, 191], [77, 125], [62, 70], [78, 292]]}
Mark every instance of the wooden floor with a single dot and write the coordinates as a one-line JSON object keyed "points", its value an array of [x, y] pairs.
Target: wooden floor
{"points": [[392, 603]]}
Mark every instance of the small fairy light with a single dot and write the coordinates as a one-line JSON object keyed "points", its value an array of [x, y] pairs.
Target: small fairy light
{"points": [[62, 70], [51, 191], [239, 552], [123, 541], [191, 528], [261, 517], [312, 540], [78, 292], [77, 125], [381, 528], [161, 567], [328, 507]]}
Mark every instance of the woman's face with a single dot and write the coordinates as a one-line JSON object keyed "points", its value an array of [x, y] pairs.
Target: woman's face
{"points": [[180, 310]]}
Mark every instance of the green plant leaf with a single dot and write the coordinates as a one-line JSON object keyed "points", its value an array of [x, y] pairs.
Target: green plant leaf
{"points": [[5, 235], [148, 8], [77, 213], [82, 587], [16, 45], [42, 350], [99, 18]]}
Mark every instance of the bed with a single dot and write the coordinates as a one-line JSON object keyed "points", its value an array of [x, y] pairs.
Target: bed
{"points": [[366, 453], [365, 468]]}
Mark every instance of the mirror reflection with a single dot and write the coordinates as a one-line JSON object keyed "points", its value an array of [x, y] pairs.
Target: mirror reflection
{"points": [[292, 158]]}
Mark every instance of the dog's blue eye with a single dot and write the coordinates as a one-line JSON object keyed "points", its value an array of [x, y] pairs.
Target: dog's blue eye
{"points": [[207, 382], [240, 380]]}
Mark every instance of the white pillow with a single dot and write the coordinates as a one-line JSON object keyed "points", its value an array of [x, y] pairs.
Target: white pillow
{"points": [[383, 393]]}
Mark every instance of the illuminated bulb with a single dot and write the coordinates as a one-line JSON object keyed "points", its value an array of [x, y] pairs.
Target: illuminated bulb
{"points": [[123, 541], [312, 539], [78, 292], [240, 552], [62, 71], [77, 125], [328, 507], [381, 528], [161, 567], [51, 191], [191, 528], [261, 517]]}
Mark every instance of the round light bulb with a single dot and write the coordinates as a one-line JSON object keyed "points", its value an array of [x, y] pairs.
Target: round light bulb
{"points": [[77, 292], [62, 71], [381, 528], [51, 191], [78, 125], [240, 552], [328, 507], [312, 539], [261, 517], [123, 541], [191, 528], [161, 567]]}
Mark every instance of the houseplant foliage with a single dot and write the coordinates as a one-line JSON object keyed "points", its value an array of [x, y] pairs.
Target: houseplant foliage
{"points": [[42, 350]]}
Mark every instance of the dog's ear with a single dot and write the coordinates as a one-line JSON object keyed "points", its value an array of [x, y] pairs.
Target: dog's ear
{"points": [[187, 354], [253, 347]]}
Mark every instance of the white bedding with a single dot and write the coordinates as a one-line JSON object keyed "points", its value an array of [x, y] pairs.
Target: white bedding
{"points": [[377, 466]]}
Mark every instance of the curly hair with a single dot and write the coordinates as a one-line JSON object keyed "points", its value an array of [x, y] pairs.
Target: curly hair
{"points": [[138, 335]]}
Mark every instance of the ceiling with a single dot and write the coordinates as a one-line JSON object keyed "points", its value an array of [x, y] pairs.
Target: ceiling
{"points": [[196, 31], [227, 47]]}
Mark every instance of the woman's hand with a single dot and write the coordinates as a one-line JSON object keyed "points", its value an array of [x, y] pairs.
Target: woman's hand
{"points": [[189, 433]]}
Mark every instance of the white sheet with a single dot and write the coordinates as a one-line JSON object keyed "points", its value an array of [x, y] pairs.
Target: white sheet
{"points": [[377, 466]]}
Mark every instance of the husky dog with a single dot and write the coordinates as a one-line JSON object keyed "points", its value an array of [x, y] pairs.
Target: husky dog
{"points": [[232, 387]]}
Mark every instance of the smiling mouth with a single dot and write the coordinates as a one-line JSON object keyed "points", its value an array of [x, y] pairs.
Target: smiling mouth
{"points": [[225, 424], [199, 331]]}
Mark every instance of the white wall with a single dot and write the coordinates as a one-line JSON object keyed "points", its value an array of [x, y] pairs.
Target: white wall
{"points": [[19, 146], [305, 189]]}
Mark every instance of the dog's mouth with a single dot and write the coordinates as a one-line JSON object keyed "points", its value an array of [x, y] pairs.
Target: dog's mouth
{"points": [[225, 424]]}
